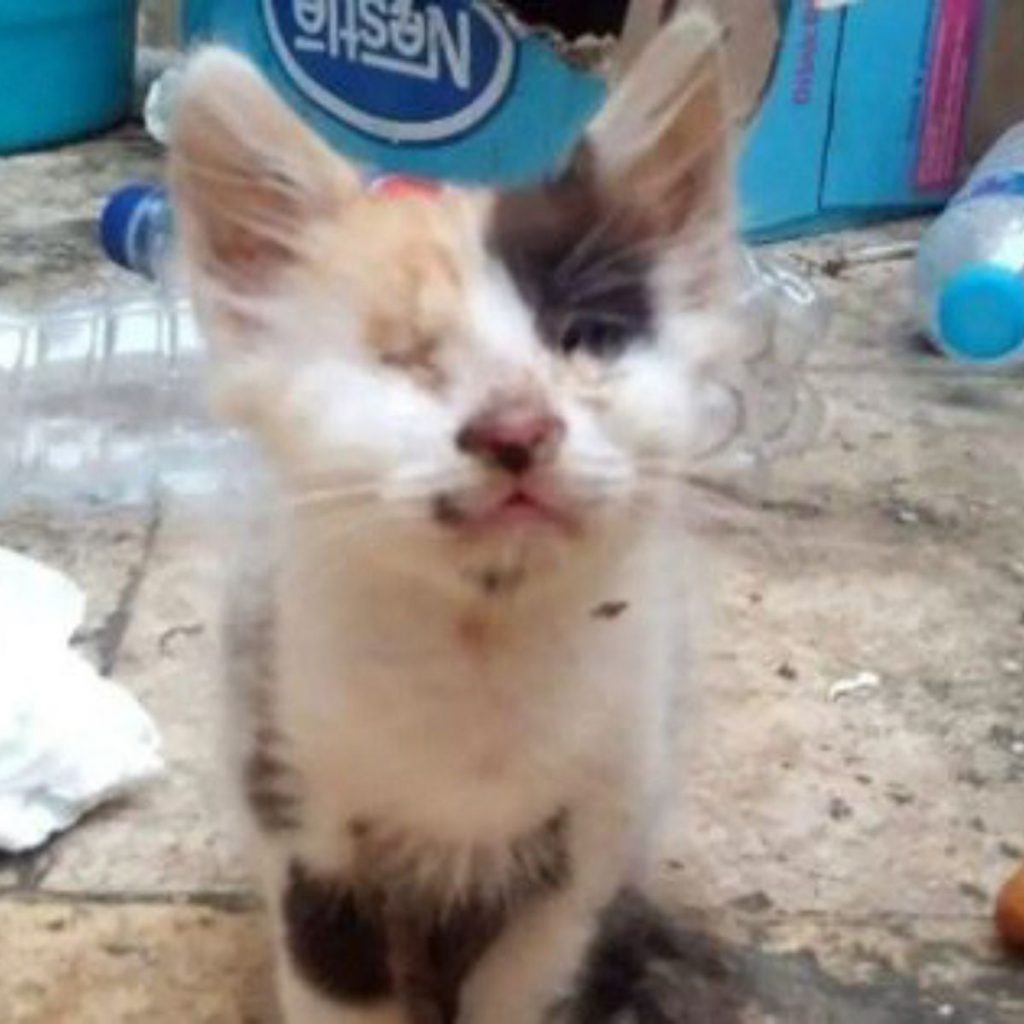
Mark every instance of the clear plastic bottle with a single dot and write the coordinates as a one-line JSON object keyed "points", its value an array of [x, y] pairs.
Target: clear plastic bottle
{"points": [[161, 97], [104, 398], [779, 411], [970, 266], [104, 402]]}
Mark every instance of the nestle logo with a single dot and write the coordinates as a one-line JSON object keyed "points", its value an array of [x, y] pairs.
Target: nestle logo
{"points": [[400, 70]]}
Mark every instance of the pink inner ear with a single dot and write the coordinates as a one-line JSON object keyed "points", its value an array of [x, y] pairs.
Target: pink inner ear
{"points": [[249, 177], [246, 225], [662, 143], [245, 258]]}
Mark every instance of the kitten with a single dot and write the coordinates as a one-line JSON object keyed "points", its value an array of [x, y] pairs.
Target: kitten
{"points": [[459, 643]]}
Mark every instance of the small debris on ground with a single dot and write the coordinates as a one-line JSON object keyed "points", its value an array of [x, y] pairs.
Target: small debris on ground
{"points": [[839, 809], [890, 252], [859, 683], [609, 609]]}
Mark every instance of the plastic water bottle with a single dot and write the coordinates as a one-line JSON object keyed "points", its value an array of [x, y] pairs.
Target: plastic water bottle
{"points": [[137, 232], [970, 267], [104, 399], [788, 320]]}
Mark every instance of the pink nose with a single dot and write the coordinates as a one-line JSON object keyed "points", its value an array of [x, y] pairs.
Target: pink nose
{"points": [[512, 438]]}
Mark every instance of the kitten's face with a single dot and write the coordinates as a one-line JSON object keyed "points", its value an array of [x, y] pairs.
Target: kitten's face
{"points": [[480, 387]]}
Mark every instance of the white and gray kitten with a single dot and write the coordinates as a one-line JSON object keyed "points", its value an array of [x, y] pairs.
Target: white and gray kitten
{"points": [[458, 648]]}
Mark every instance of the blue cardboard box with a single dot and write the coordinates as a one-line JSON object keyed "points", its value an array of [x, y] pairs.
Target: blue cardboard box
{"points": [[866, 114], [786, 147]]}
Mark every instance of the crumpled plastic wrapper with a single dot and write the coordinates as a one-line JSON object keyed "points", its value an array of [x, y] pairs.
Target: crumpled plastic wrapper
{"points": [[758, 403], [70, 740]]}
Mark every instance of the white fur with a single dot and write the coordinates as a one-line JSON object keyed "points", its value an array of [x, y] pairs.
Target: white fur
{"points": [[467, 743]]}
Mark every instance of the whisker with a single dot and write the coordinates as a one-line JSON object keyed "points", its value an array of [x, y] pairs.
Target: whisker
{"points": [[329, 495], [576, 255], [616, 212], [622, 255]]}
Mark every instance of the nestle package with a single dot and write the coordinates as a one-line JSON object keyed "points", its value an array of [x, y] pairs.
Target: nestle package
{"points": [[452, 89], [853, 108]]}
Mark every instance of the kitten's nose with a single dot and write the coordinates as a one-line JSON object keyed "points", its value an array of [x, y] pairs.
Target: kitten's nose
{"points": [[515, 438]]}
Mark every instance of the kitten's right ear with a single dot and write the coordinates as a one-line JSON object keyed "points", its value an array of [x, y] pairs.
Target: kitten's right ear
{"points": [[662, 143], [249, 178]]}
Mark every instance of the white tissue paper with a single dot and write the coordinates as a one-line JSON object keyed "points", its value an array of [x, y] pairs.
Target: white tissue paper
{"points": [[69, 739]]}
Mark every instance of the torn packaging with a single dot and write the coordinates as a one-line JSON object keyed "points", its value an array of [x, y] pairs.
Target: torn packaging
{"points": [[571, 19], [750, 30]]}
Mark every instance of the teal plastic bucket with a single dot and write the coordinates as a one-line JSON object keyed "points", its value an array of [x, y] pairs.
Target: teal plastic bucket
{"points": [[66, 69]]}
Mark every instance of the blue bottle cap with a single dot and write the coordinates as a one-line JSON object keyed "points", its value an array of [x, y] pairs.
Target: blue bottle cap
{"points": [[981, 314], [121, 220]]}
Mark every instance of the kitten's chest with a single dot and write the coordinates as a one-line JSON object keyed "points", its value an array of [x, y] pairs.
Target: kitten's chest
{"points": [[464, 741]]}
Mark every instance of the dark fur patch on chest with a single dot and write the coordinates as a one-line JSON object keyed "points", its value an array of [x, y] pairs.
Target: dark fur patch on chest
{"points": [[374, 934], [337, 944]]}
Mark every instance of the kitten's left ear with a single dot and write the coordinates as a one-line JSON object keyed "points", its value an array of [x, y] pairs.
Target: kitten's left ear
{"points": [[250, 180], [662, 144]]}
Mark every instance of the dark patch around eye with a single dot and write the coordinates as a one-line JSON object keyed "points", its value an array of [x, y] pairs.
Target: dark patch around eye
{"points": [[595, 334], [580, 261]]}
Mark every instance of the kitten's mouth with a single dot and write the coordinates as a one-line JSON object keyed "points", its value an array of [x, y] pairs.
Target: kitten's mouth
{"points": [[517, 508]]}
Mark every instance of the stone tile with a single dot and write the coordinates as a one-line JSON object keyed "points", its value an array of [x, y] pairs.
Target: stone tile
{"points": [[797, 969], [889, 549], [133, 964], [49, 207], [103, 550], [94, 963], [175, 837]]}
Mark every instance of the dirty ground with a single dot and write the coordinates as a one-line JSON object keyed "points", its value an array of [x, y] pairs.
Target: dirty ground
{"points": [[835, 850]]}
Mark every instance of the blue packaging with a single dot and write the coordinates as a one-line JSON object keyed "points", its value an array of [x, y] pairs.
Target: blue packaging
{"points": [[863, 115], [443, 88]]}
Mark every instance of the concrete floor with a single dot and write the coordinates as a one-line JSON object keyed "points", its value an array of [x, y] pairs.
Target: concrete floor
{"points": [[835, 860]]}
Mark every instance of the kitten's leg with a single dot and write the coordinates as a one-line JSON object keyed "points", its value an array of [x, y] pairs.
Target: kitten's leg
{"points": [[532, 965], [535, 963]]}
